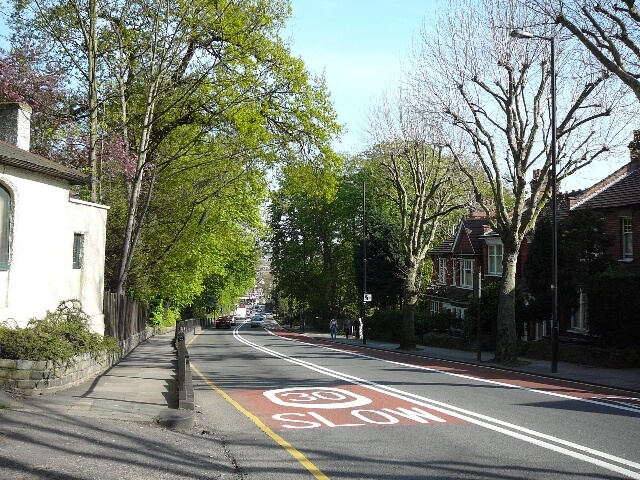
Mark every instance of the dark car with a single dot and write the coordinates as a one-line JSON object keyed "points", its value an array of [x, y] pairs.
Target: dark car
{"points": [[224, 322]]}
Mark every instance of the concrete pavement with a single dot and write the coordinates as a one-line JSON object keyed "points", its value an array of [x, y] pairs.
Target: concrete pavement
{"points": [[111, 427]]}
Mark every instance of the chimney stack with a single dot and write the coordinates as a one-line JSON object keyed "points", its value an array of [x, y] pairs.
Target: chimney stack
{"points": [[15, 124], [634, 148]]}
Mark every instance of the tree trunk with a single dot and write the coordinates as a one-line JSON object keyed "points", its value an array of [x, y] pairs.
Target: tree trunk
{"points": [[506, 335], [408, 339], [93, 98]]}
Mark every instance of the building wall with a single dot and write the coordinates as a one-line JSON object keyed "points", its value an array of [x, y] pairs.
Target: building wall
{"points": [[41, 273]]}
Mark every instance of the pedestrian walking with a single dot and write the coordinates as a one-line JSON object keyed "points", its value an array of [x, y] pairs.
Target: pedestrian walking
{"points": [[333, 327], [347, 328]]}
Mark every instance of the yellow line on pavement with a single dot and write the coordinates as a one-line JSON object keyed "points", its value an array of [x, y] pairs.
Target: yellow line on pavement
{"points": [[306, 463]]}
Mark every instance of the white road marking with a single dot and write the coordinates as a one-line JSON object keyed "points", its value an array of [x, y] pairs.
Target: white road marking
{"points": [[609, 404], [549, 442]]}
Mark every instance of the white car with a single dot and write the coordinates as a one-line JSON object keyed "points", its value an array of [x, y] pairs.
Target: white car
{"points": [[257, 321]]}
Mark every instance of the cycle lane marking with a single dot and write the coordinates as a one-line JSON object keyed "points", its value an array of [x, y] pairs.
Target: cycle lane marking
{"points": [[571, 449], [597, 395]]}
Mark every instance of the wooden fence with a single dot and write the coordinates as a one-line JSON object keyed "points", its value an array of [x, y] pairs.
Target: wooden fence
{"points": [[124, 317]]}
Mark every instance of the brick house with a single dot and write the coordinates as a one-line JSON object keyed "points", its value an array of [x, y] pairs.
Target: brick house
{"points": [[473, 251], [617, 197]]}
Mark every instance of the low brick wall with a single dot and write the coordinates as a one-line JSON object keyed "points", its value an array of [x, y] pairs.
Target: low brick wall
{"points": [[30, 377]]}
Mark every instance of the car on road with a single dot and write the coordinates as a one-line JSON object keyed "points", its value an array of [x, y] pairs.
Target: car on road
{"points": [[257, 321], [224, 321]]}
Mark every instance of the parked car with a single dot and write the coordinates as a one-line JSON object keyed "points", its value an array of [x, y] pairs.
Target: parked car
{"points": [[257, 321], [224, 322]]}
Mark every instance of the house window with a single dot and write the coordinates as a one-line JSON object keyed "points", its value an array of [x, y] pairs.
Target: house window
{"points": [[466, 273], [78, 241], [434, 307], [627, 239], [5, 226], [459, 312], [442, 271], [495, 260]]}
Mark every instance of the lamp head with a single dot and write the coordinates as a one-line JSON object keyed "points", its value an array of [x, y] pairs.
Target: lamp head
{"points": [[520, 33]]}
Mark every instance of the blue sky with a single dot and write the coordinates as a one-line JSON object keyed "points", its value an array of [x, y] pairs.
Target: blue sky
{"points": [[359, 45]]}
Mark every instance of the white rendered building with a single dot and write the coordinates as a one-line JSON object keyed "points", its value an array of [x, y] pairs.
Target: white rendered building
{"points": [[52, 245]]}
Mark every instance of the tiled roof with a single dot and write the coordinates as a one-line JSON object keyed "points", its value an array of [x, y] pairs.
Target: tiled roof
{"points": [[444, 247], [623, 192], [16, 157], [473, 228]]}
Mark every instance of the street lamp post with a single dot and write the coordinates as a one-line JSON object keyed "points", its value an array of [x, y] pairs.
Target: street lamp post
{"points": [[364, 261], [519, 33], [364, 258]]}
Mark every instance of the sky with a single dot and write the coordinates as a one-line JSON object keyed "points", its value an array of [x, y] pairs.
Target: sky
{"points": [[360, 46]]}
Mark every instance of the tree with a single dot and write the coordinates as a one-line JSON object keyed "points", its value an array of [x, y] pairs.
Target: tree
{"points": [[608, 29], [492, 94], [69, 31], [29, 76], [306, 255], [423, 185], [183, 83]]}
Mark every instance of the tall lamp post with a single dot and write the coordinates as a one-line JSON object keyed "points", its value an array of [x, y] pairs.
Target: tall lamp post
{"points": [[365, 297], [519, 33]]}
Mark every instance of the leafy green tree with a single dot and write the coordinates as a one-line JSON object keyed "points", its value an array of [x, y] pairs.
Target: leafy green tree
{"points": [[184, 84], [305, 255]]}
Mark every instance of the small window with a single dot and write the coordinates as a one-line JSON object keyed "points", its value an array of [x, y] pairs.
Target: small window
{"points": [[442, 271], [78, 244], [627, 239], [435, 306], [5, 226], [466, 273], [495, 260]]}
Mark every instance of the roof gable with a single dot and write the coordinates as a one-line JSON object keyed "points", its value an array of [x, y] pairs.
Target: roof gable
{"points": [[467, 239]]}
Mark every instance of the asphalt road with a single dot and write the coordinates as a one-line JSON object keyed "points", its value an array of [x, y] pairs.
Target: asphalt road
{"points": [[287, 409]]}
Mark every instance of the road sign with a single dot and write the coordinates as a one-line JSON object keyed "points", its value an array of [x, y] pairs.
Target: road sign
{"points": [[367, 297]]}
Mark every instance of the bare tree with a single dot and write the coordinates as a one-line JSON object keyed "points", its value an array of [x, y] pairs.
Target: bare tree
{"points": [[492, 94], [609, 29], [422, 184]]}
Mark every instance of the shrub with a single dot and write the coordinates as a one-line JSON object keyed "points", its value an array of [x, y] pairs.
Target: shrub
{"points": [[614, 304], [385, 325], [58, 337], [163, 317]]}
